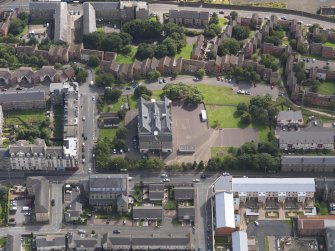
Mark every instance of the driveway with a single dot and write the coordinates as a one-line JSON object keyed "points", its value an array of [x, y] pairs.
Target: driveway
{"points": [[268, 228]]}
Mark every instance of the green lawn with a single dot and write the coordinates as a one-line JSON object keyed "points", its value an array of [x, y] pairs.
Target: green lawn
{"points": [[327, 88], [263, 133], [58, 122], [24, 32], [156, 94], [329, 44], [185, 52], [285, 41], [101, 29], [31, 116], [127, 59], [219, 151], [252, 34], [222, 117], [220, 95], [3, 241], [107, 133], [115, 107]]}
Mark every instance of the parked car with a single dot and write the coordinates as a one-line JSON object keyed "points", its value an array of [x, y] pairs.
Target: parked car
{"points": [[164, 175], [3, 89], [256, 223], [116, 231], [19, 88], [203, 176], [52, 202], [196, 180], [93, 98], [166, 180], [81, 231]]}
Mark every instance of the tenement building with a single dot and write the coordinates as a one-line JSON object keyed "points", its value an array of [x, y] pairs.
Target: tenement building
{"points": [[154, 125], [301, 163]]}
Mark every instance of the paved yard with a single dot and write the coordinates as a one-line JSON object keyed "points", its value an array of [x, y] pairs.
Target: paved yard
{"points": [[268, 228], [236, 136], [189, 130]]}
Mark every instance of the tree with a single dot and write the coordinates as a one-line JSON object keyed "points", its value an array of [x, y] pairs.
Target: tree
{"points": [[121, 132], [118, 163], [242, 107], [81, 75], [273, 40], [161, 51], [180, 91], [104, 80], [143, 29], [320, 38], [249, 147], [214, 19], [200, 73], [211, 55], [170, 28], [269, 61], [315, 85], [201, 165], [16, 26], [142, 90], [171, 47], [3, 193], [229, 46], [33, 41], [112, 95], [240, 32], [212, 30], [126, 49], [153, 75], [301, 76], [233, 15], [145, 51], [245, 118], [93, 61], [102, 151], [268, 147]]}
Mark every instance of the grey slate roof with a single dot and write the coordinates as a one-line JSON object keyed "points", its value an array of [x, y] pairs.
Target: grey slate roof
{"points": [[89, 19], [186, 213], [289, 115], [307, 160], [330, 238], [40, 187], [156, 191], [61, 22], [148, 212], [184, 193], [21, 96], [48, 241], [154, 116], [76, 242], [188, 14], [108, 183], [160, 241], [305, 137]]}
